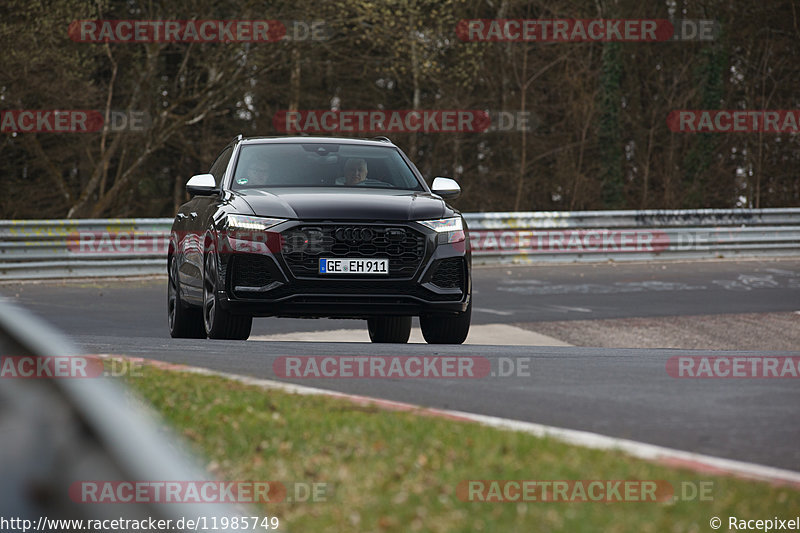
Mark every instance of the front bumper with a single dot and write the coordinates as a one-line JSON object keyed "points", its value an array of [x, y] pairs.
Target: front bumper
{"points": [[281, 283]]}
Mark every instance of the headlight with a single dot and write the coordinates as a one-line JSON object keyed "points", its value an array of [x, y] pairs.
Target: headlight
{"points": [[249, 234], [443, 224], [450, 230], [252, 223]]}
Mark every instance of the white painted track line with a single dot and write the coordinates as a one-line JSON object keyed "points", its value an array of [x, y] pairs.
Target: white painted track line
{"points": [[494, 334]]}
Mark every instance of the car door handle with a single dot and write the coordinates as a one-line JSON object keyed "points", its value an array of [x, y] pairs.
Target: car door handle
{"points": [[180, 216], [193, 215]]}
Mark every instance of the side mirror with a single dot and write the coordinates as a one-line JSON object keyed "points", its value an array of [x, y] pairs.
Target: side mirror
{"points": [[446, 188], [202, 185]]}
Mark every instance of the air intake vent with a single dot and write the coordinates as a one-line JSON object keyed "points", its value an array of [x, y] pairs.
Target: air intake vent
{"points": [[449, 273], [251, 270]]}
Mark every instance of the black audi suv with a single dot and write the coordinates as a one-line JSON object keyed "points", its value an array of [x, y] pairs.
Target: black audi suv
{"points": [[319, 227]]}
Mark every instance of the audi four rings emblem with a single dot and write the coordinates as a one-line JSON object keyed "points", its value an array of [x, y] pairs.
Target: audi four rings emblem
{"points": [[354, 234]]}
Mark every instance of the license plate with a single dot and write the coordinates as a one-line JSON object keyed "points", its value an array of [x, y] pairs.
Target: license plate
{"points": [[353, 266]]}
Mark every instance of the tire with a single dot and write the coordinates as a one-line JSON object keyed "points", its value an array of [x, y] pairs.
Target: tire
{"points": [[185, 322], [219, 323], [394, 329], [445, 329]]}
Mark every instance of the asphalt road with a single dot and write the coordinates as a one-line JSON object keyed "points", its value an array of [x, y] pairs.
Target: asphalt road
{"points": [[622, 393], [502, 294]]}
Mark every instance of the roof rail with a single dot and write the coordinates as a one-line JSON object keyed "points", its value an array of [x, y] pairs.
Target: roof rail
{"points": [[238, 138], [381, 138]]}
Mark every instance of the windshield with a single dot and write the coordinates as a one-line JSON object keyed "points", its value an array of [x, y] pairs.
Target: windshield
{"points": [[263, 166]]}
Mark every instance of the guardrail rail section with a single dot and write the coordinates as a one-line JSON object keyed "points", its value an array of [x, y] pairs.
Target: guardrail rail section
{"points": [[585, 236], [40, 249]]}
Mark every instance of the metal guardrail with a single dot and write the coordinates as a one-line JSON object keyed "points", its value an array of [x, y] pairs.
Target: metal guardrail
{"points": [[655, 218], [38, 249], [586, 236], [41, 249]]}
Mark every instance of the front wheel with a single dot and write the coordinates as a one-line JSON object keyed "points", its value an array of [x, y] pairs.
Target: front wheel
{"points": [[446, 329], [185, 322], [219, 323], [394, 329]]}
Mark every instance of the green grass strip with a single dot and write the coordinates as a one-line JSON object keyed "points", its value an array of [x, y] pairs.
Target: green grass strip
{"points": [[396, 471]]}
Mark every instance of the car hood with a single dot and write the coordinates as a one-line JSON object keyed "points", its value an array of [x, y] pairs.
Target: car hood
{"points": [[351, 204]]}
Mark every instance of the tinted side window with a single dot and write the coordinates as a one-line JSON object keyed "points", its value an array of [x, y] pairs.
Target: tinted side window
{"points": [[219, 166]]}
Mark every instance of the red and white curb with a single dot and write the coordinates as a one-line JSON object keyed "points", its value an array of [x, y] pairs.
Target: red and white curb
{"points": [[700, 463]]}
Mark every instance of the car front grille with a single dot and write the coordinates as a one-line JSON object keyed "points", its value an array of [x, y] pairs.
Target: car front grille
{"points": [[304, 246], [449, 273]]}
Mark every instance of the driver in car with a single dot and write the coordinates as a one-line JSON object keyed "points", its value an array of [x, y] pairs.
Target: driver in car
{"points": [[355, 171]]}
